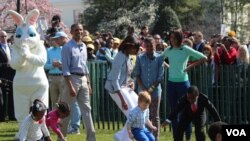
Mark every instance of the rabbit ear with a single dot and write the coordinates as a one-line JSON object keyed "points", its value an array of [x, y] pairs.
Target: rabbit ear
{"points": [[32, 17], [16, 17]]}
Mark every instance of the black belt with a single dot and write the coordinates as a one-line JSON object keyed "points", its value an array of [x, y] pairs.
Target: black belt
{"points": [[78, 74], [56, 74]]}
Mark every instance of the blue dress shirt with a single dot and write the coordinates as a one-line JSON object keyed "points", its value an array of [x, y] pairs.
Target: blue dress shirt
{"points": [[74, 58], [150, 70]]}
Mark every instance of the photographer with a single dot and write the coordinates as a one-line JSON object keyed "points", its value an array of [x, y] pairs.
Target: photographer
{"points": [[225, 53], [55, 27]]}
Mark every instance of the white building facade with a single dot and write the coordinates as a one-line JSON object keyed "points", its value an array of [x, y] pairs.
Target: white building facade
{"points": [[71, 10]]}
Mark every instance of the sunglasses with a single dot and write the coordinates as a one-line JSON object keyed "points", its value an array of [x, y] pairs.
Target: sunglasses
{"points": [[132, 45]]}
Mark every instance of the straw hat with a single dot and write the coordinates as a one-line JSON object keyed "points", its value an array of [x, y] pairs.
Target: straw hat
{"points": [[117, 41], [91, 46], [87, 39]]}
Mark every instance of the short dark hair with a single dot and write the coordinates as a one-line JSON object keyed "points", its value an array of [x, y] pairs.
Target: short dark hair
{"points": [[193, 90], [63, 107], [148, 40], [74, 25], [56, 17], [214, 129], [128, 41]]}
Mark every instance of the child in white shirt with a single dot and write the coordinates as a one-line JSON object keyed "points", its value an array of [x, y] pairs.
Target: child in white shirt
{"points": [[33, 127]]}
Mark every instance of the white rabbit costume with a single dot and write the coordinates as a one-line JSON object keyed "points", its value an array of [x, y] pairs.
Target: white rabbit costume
{"points": [[28, 58]]}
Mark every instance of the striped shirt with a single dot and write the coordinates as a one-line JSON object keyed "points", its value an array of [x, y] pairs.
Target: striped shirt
{"points": [[138, 118], [31, 130]]}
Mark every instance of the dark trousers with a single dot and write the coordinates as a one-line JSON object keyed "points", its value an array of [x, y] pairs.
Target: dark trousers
{"points": [[1, 106], [175, 91], [7, 104], [199, 123]]}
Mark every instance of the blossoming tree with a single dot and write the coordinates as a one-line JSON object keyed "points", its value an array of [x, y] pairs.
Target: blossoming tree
{"points": [[47, 11]]}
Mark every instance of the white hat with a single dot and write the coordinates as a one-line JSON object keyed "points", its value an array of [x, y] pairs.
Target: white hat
{"points": [[60, 34]]}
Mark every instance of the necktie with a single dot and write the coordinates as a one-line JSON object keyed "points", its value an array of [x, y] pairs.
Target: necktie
{"points": [[194, 107]]}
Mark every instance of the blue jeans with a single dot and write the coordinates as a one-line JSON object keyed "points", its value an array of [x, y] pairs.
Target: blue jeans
{"points": [[175, 91], [76, 116], [142, 134]]}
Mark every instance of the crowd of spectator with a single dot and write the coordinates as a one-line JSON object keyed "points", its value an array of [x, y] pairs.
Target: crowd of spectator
{"points": [[130, 61]]}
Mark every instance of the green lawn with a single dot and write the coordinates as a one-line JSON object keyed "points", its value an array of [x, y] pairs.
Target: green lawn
{"points": [[8, 130]]}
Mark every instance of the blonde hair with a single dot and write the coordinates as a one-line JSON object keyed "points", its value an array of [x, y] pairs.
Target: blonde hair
{"points": [[188, 42], [245, 56], [144, 97]]}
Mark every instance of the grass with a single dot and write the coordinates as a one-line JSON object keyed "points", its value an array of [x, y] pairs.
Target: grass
{"points": [[9, 129]]}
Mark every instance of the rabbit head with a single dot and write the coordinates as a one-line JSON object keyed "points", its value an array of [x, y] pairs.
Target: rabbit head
{"points": [[26, 33]]}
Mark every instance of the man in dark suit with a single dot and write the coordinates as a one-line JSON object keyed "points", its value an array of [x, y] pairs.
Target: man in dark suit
{"points": [[6, 77], [198, 41], [192, 108]]}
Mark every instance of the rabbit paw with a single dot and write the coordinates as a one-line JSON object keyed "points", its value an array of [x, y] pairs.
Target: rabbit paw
{"points": [[25, 51]]}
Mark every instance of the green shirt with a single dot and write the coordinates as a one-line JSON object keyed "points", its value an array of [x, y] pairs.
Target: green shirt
{"points": [[178, 59]]}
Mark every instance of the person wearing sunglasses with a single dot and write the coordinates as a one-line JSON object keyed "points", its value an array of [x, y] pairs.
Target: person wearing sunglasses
{"points": [[119, 83]]}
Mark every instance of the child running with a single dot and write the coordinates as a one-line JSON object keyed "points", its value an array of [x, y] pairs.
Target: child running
{"points": [[33, 127], [138, 117], [54, 117]]}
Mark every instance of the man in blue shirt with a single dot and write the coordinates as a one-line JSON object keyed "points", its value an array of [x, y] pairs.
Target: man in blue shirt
{"points": [[75, 72], [149, 73], [54, 67]]}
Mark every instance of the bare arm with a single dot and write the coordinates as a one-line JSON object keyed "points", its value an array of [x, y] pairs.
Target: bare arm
{"points": [[70, 86], [131, 136], [196, 63], [124, 104], [150, 125], [139, 81]]}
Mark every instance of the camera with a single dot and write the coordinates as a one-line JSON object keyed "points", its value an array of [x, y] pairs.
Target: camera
{"points": [[218, 44]]}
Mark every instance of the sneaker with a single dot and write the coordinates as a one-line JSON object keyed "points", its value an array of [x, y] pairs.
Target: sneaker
{"points": [[74, 131]]}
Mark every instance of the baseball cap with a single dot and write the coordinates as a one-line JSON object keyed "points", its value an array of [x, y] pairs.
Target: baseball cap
{"points": [[60, 34]]}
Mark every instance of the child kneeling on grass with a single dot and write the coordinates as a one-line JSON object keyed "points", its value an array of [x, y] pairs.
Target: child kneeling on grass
{"points": [[33, 127], [139, 117], [54, 117]]}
